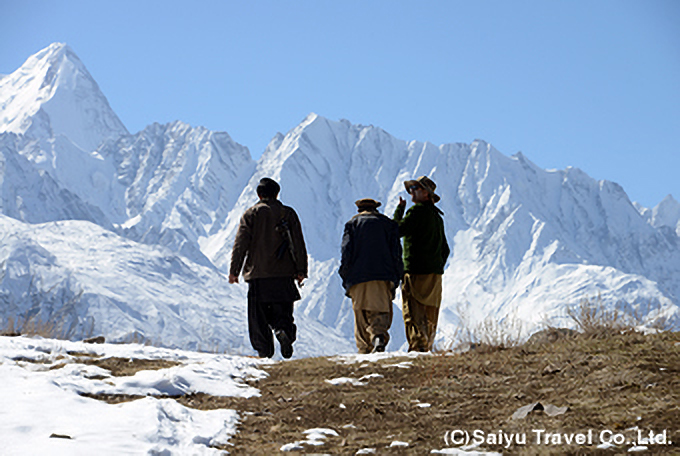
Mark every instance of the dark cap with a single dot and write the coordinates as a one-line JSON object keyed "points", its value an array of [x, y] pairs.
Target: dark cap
{"points": [[268, 188]]}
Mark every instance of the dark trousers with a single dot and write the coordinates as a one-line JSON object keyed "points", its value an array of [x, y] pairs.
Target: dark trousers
{"points": [[270, 308]]}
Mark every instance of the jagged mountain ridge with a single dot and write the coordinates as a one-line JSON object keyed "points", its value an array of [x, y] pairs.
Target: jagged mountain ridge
{"points": [[526, 242]]}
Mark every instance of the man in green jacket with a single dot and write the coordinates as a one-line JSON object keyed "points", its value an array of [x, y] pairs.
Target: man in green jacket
{"points": [[425, 254]]}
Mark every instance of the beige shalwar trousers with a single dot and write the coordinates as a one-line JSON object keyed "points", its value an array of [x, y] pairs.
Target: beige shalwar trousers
{"points": [[372, 305], [421, 297]]}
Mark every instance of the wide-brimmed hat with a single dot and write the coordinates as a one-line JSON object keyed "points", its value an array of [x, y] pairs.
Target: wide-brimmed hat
{"points": [[367, 204], [426, 183]]}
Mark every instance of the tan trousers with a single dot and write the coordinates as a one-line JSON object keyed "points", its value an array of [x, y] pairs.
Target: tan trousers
{"points": [[372, 305], [421, 296]]}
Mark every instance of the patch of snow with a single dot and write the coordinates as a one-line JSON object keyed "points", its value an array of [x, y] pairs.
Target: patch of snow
{"points": [[43, 383], [344, 381], [374, 357], [397, 443], [315, 437], [353, 381], [401, 365], [296, 446]]}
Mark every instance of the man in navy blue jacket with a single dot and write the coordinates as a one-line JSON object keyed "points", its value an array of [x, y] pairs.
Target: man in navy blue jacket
{"points": [[371, 269]]}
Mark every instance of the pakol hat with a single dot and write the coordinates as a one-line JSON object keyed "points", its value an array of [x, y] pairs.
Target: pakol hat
{"points": [[268, 187], [367, 204], [426, 183]]}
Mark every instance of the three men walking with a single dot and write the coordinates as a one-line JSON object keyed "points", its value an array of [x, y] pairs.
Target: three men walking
{"points": [[270, 249]]}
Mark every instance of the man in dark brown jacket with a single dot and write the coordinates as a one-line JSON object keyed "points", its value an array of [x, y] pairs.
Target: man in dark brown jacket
{"points": [[269, 241]]}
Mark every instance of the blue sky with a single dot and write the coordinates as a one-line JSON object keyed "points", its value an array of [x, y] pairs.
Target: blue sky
{"points": [[591, 84]]}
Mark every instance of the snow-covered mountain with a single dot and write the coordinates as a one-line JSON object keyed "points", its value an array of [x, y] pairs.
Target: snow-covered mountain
{"points": [[153, 215]]}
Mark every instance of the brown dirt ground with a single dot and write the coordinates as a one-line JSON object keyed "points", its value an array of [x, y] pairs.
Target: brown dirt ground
{"points": [[609, 383]]}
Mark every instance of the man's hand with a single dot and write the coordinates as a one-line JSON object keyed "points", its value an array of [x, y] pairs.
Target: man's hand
{"points": [[300, 278], [402, 202], [233, 278]]}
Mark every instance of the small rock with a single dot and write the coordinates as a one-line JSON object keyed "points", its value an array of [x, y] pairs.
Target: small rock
{"points": [[550, 370], [548, 409], [95, 340], [550, 335], [61, 436]]}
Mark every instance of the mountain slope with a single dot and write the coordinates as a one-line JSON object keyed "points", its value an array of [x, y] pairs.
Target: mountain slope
{"points": [[31, 194], [179, 184], [88, 281]]}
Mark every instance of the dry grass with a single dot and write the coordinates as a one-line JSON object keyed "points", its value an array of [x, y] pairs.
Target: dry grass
{"points": [[53, 328], [49, 312], [488, 335], [593, 319]]}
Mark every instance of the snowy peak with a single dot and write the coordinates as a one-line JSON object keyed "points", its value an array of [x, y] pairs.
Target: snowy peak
{"points": [[52, 94], [665, 216], [667, 213]]}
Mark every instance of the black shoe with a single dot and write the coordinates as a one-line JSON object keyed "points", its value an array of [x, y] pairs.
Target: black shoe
{"points": [[286, 343], [265, 354], [379, 344]]}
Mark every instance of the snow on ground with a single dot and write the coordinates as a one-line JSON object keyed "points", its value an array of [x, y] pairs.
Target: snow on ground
{"points": [[374, 357], [352, 381], [315, 437], [43, 410]]}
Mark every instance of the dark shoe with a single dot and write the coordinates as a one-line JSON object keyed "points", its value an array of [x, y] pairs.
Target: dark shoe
{"points": [[379, 344], [286, 343], [265, 354]]}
